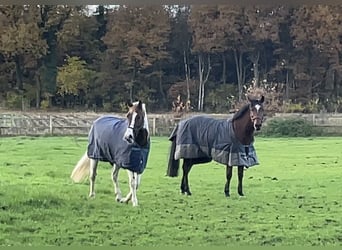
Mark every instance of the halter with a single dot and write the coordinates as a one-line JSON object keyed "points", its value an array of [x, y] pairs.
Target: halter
{"points": [[254, 118], [137, 128]]}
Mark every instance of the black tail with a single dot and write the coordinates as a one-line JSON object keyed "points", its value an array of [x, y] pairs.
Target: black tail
{"points": [[173, 166]]}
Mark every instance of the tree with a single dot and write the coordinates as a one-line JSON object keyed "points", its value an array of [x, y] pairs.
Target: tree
{"points": [[146, 52], [51, 22], [79, 37], [136, 38], [264, 23], [204, 37], [73, 77], [21, 41], [316, 32], [235, 29], [180, 50]]}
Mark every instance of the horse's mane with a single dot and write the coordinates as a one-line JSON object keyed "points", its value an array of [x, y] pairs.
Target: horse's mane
{"points": [[241, 112]]}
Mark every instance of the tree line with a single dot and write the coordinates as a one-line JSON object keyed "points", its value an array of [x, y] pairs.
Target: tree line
{"points": [[202, 57]]}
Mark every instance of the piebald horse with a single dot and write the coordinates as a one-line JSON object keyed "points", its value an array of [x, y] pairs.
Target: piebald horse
{"points": [[124, 143]]}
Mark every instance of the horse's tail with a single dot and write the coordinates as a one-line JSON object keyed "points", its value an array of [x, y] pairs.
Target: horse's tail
{"points": [[81, 170], [173, 166]]}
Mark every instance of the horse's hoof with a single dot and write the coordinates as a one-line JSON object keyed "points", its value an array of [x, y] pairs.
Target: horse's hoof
{"points": [[124, 201], [188, 193], [92, 196]]}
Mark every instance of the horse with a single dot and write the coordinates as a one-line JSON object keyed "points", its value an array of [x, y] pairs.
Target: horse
{"points": [[201, 139], [124, 143]]}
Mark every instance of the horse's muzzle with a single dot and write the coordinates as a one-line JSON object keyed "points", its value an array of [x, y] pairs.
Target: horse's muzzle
{"points": [[257, 127], [129, 138]]}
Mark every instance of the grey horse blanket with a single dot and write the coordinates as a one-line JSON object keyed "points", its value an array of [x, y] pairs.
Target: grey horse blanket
{"points": [[205, 137], [107, 143]]}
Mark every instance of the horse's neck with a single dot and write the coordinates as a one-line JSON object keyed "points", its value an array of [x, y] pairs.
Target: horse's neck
{"points": [[146, 122], [142, 137], [244, 129]]}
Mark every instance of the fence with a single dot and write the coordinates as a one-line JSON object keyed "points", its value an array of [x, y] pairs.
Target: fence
{"points": [[331, 123], [20, 123]]}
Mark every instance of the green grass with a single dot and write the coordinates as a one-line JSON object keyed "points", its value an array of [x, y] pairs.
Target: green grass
{"points": [[292, 198]]}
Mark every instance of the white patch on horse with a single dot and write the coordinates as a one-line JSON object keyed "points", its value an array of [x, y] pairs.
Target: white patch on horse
{"points": [[134, 115], [115, 174], [257, 107], [145, 118], [133, 187], [133, 182], [129, 131]]}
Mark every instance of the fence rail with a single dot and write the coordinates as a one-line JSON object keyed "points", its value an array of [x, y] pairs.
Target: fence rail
{"points": [[20, 123]]}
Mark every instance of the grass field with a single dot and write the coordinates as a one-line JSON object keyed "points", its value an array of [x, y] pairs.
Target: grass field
{"points": [[293, 197]]}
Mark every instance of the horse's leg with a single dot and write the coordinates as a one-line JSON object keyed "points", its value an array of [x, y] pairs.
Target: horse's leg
{"points": [[134, 187], [138, 181], [187, 164], [129, 195], [240, 177], [229, 171], [92, 176], [115, 174]]}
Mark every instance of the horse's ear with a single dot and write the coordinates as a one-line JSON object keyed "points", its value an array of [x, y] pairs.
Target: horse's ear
{"points": [[262, 99], [140, 104]]}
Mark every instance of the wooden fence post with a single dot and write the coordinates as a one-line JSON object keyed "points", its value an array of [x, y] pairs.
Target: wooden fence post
{"points": [[50, 125], [154, 126], [12, 120], [314, 119]]}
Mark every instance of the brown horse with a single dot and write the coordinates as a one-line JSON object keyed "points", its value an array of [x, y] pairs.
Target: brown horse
{"points": [[201, 139]]}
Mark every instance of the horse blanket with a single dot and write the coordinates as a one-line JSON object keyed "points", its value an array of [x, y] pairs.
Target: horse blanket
{"points": [[106, 143], [205, 137]]}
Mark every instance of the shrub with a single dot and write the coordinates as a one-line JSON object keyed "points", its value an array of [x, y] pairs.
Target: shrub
{"points": [[13, 100], [294, 108], [310, 107], [291, 127], [107, 106], [45, 104], [221, 98]]}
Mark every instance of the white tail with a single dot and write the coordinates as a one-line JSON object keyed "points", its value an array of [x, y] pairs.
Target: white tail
{"points": [[81, 170]]}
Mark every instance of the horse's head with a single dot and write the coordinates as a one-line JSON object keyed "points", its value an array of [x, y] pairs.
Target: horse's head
{"points": [[136, 120], [256, 111]]}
